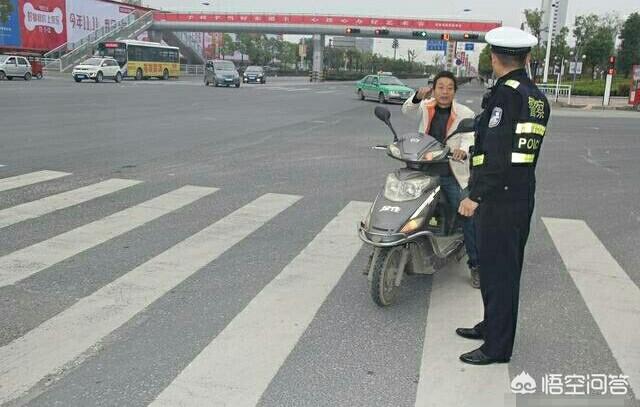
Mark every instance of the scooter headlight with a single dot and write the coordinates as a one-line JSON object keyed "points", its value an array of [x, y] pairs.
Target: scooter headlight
{"points": [[394, 150], [408, 190]]}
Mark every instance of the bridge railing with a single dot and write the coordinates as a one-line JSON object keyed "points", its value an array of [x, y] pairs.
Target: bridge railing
{"points": [[61, 50]]}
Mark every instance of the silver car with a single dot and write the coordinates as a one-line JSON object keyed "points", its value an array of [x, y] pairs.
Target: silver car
{"points": [[12, 66]]}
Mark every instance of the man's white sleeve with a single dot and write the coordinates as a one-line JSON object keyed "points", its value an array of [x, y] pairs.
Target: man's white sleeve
{"points": [[409, 108]]}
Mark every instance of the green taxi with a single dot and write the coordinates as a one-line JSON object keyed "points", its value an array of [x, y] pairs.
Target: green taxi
{"points": [[384, 87]]}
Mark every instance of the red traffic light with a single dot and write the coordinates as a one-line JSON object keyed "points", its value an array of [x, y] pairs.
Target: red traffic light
{"points": [[612, 60], [468, 36], [352, 30], [382, 32]]}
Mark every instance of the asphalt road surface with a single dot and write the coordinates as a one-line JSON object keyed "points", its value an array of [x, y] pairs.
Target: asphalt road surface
{"points": [[167, 244]]}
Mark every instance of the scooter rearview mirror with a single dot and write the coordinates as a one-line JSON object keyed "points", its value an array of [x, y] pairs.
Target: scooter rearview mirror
{"points": [[384, 114], [466, 126]]}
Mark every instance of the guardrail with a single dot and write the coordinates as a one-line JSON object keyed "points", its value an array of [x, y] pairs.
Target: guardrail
{"points": [[50, 64], [191, 70], [557, 91]]}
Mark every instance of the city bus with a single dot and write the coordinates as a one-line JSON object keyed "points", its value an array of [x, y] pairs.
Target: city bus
{"points": [[141, 59]]}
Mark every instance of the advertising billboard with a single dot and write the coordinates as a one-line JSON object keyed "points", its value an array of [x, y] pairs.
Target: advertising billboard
{"points": [[10, 31], [42, 23], [46, 24], [86, 16]]}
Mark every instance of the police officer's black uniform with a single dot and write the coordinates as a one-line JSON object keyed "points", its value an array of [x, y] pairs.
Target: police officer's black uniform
{"points": [[508, 141]]}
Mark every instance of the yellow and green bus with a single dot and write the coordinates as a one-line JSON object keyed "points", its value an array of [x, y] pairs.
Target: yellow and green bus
{"points": [[141, 59]]}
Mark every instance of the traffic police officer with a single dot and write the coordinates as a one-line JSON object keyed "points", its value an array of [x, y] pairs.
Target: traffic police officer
{"points": [[508, 140]]}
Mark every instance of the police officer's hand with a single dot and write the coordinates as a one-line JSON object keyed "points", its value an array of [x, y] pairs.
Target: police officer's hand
{"points": [[424, 93], [459, 155], [467, 207]]}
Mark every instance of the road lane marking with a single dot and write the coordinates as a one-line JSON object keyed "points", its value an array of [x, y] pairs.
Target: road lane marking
{"points": [[445, 380], [66, 336], [238, 365], [34, 209], [23, 263], [611, 296], [30, 179]]}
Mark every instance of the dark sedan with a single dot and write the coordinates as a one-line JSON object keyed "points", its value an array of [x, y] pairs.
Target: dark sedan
{"points": [[254, 74]]}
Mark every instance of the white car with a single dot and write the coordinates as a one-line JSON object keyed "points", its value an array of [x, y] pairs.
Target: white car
{"points": [[97, 69], [12, 66]]}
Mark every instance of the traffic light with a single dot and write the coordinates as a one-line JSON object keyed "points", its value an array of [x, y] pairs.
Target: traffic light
{"points": [[612, 65], [445, 37], [352, 30], [382, 32], [468, 36], [420, 34]]}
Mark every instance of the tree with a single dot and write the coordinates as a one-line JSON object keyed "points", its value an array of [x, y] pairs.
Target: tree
{"points": [[584, 29], [559, 45], [6, 8], [599, 47], [630, 47], [534, 22], [228, 46], [484, 67]]}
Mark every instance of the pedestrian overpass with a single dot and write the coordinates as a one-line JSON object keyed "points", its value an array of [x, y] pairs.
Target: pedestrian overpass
{"points": [[163, 25], [321, 25]]}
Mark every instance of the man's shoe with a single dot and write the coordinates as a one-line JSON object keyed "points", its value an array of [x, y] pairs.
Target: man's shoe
{"points": [[475, 276], [477, 357], [469, 333]]}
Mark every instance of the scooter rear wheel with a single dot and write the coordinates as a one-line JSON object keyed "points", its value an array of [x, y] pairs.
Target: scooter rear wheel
{"points": [[383, 272]]}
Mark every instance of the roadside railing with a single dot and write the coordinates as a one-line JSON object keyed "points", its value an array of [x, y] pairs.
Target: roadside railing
{"points": [[191, 70], [556, 91], [50, 64]]}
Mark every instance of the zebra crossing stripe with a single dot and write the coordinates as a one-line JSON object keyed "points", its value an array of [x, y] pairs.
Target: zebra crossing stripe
{"points": [[30, 210], [611, 296], [29, 179], [63, 338], [238, 365], [23, 263], [444, 380]]}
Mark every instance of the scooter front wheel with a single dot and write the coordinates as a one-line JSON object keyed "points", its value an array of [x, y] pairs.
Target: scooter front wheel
{"points": [[383, 271]]}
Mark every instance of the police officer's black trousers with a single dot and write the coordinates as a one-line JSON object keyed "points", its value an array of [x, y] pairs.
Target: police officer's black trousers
{"points": [[502, 229]]}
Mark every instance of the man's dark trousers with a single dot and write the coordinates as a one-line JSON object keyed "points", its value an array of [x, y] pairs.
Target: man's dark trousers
{"points": [[502, 229]]}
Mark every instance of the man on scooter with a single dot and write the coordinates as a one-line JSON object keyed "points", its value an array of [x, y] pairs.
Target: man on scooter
{"points": [[439, 115]]}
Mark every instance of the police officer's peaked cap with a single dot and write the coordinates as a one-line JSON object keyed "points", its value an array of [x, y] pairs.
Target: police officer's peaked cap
{"points": [[510, 41]]}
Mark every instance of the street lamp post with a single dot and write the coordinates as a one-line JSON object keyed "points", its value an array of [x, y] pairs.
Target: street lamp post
{"points": [[560, 69], [575, 67]]}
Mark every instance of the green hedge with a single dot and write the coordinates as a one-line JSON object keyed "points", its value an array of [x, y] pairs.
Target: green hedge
{"points": [[619, 87]]}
